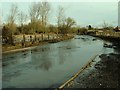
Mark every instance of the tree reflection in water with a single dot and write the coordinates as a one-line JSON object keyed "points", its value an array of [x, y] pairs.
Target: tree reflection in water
{"points": [[46, 65], [65, 51], [42, 59], [37, 68]]}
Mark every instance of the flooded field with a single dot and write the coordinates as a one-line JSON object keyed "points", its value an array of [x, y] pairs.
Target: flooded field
{"points": [[50, 65]]}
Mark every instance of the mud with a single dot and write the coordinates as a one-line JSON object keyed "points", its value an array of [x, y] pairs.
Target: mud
{"points": [[103, 73]]}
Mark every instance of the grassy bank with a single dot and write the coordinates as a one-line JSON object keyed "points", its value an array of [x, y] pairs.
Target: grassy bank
{"points": [[18, 46]]}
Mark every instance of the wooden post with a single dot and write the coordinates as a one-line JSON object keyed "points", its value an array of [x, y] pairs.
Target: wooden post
{"points": [[53, 36], [48, 36], [42, 37]]}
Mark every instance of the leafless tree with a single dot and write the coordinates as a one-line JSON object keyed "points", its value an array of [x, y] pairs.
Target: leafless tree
{"points": [[104, 25], [13, 14], [34, 12], [60, 16], [44, 10], [12, 18], [70, 22], [40, 11], [22, 19], [107, 26], [64, 24], [1, 16]]}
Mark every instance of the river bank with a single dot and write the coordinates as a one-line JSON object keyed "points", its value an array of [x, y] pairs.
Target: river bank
{"points": [[103, 73], [30, 45], [37, 67]]}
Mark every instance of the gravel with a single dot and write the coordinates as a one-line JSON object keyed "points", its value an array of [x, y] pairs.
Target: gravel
{"points": [[102, 74]]}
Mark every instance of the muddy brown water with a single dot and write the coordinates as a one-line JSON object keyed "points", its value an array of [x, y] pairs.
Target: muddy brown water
{"points": [[50, 65]]}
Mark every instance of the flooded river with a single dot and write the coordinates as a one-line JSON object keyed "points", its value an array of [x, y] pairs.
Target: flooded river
{"points": [[50, 65]]}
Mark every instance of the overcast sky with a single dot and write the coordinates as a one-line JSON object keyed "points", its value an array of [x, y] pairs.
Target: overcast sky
{"points": [[85, 13]]}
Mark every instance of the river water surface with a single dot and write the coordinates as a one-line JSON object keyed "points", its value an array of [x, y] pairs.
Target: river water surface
{"points": [[49, 65]]}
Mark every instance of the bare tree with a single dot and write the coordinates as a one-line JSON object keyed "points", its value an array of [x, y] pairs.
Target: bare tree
{"points": [[60, 16], [0, 20], [34, 12], [67, 24], [44, 12], [64, 24], [22, 19], [13, 14], [39, 12], [70, 22], [107, 26], [12, 18]]}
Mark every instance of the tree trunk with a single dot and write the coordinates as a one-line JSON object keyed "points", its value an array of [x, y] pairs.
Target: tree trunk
{"points": [[11, 39], [24, 40]]}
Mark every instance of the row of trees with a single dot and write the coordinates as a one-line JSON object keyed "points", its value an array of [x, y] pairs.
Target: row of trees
{"points": [[38, 16]]}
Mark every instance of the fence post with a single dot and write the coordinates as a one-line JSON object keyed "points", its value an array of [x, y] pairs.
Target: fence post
{"points": [[48, 36], [42, 36]]}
